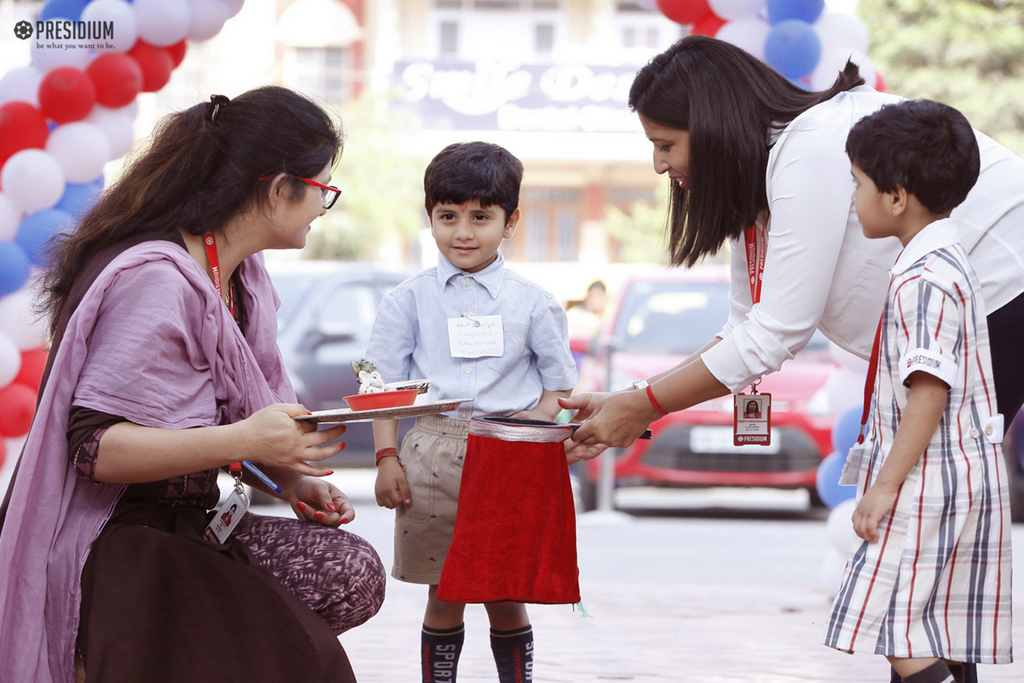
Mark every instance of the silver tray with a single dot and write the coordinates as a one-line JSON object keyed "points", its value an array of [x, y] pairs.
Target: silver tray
{"points": [[348, 415]]}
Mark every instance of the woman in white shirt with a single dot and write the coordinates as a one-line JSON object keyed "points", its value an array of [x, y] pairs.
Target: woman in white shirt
{"points": [[745, 147]]}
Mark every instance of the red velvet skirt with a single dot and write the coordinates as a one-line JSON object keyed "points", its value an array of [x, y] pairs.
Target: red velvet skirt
{"points": [[515, 527]]}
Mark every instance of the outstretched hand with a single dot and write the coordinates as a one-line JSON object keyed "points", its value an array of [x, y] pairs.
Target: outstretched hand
{"points": [[609, 419], [273, 437]]}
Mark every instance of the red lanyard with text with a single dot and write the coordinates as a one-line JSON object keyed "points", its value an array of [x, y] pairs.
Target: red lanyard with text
{"points": [[752, 412], [757, 247], [210, 242]]}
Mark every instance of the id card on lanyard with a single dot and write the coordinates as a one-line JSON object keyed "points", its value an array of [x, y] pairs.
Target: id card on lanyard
{"points": [[752, 412]]}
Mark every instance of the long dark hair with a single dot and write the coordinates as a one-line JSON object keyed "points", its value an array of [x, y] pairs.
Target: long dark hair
{"points": [[730, 103], [198, 171]]}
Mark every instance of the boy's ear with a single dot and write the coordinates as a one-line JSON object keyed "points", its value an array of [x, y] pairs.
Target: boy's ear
{"points": [[510, 225], [898, 200]]}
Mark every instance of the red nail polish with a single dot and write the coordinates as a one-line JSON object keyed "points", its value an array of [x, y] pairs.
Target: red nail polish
{"points": [[302, 507], [330, 472], [330, 506], [342, 446], [319, 516]]}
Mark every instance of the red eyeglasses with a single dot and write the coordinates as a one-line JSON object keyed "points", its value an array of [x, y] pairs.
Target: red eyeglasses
{"points": [[328, 194]]}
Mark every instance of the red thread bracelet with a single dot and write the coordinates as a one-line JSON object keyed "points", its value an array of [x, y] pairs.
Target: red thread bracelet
{"points": [[654, 401], [385, 453]]}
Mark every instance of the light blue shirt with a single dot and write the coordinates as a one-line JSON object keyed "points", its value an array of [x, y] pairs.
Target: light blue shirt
{"points": [[410, 339]]}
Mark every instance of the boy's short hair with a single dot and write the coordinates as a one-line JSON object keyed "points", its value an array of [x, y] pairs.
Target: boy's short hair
{"points": [[927, 148], [474, 170]]}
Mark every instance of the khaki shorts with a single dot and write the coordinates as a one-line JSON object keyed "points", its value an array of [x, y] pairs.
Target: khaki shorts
{"points": [[432, 452]]}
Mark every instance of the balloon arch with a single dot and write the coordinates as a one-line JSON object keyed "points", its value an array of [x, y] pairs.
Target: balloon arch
{"points": [[61, 119]]}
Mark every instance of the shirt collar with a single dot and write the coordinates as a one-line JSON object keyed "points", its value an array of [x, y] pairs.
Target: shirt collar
{"points": [[490, 277], [941, 233]]}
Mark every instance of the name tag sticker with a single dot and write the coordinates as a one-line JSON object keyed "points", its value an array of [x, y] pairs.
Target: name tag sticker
{"points": [[476, 337]]}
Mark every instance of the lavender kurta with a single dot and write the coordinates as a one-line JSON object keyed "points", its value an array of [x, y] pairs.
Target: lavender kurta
{"points": [[937, 582], [54, 515]]}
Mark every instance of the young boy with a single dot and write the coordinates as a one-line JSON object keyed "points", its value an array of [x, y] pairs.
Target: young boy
{"points": [[930, 586], [472, 200]]}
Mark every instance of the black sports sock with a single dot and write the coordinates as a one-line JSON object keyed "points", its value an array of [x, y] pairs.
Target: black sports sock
{"points": [[936, 673], [513, 654], [439, 653]]}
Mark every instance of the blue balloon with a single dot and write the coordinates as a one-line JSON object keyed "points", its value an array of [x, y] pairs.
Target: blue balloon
{"points": [[14, 267], [793, 48], [827, 481], [845, 431], [804, 10], [37, 228], [62, 9], [79, 198]]}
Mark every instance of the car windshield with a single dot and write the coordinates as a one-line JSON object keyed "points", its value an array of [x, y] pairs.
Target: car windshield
{"points": [[292, 287], [670, 317]]}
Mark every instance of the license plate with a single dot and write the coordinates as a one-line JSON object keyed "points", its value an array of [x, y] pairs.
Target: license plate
{"points": [[719, 440]]}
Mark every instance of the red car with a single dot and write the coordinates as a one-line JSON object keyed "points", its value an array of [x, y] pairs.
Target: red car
{"points": [[657, 321]]}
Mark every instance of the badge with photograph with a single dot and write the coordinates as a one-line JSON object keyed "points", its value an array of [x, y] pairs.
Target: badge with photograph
{"points": [[752, 419]]}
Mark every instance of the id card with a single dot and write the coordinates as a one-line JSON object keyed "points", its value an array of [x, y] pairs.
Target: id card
{"points": [[475, 337], [227, 516], [856, 459], [752, 421]]}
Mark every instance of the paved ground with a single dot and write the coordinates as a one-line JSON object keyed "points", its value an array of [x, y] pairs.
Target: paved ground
{"points": [[669, 597]]}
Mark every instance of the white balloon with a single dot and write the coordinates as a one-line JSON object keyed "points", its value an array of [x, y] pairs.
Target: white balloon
{"points": [[21, 83], [20, 322], [833, 61], [116, 125], [126, 29], [833, 567], [842, 30], [235, 6], [731, 10], [162, 22], [33, 180], [208, 17], [749, 34], [10, 217], [840, 528], [10, 360], [81, 148], [47, 55]]}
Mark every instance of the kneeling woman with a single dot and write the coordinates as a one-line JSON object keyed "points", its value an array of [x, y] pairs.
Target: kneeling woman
{"points": [[164, 369]]}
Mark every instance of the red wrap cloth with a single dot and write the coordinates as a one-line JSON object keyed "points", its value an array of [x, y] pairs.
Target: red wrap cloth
{"points": [[515, 527]]}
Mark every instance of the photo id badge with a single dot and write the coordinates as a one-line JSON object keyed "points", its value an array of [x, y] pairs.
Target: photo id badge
{"points": [[752, 424], [856, 461], [227, 516]]}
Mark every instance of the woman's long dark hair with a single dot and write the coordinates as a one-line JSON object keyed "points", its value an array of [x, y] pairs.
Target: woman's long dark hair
{"points": [[730, 103], [197, 172]]}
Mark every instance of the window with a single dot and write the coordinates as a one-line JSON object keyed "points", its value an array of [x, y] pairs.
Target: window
{"points": [[543, 39], [319, 71], [449, 38], [494, 29]]}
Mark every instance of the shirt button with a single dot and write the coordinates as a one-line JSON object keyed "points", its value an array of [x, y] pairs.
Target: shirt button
{"points": [[469, 371], [974, 433], [463, 414]]}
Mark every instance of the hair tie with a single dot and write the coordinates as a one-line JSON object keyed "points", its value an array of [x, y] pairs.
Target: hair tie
{"points": [[218, 102]]}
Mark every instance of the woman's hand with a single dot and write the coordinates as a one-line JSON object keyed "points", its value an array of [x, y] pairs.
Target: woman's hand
{"points": [[610, 419], [272, 436], [319, 501], [875, 504]]}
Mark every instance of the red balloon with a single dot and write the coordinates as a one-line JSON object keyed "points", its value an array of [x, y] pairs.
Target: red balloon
{"points": [[66, 94], [156, 64], [117, 77], [3, 452], [684, 11], [708, 26], [19, 404], [22, 126], [177, 52], [33, 362]]}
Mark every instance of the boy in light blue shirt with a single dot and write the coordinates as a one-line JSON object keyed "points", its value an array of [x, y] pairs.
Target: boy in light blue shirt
{"points": [[476, 331]]}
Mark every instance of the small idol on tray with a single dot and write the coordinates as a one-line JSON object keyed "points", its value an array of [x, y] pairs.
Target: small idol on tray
{"points": [[374, 394]]}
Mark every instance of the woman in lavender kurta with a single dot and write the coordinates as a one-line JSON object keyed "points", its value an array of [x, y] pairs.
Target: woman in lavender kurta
{"points": [[164, 369]]}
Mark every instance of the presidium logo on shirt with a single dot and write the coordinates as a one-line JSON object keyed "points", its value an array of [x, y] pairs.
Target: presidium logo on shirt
{"points": [[923, 360]]}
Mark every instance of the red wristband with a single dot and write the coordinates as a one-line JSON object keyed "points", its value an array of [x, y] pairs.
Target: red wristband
{"points": [[384, 453], [654, 401]]}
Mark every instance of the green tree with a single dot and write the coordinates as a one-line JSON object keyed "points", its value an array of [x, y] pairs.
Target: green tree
{"points": [[641, 230], [382, 185], [968, 54]]}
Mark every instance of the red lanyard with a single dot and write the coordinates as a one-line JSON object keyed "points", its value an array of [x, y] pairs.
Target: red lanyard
{"points": [[869, 381], [757, 247], [210, 242]]}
